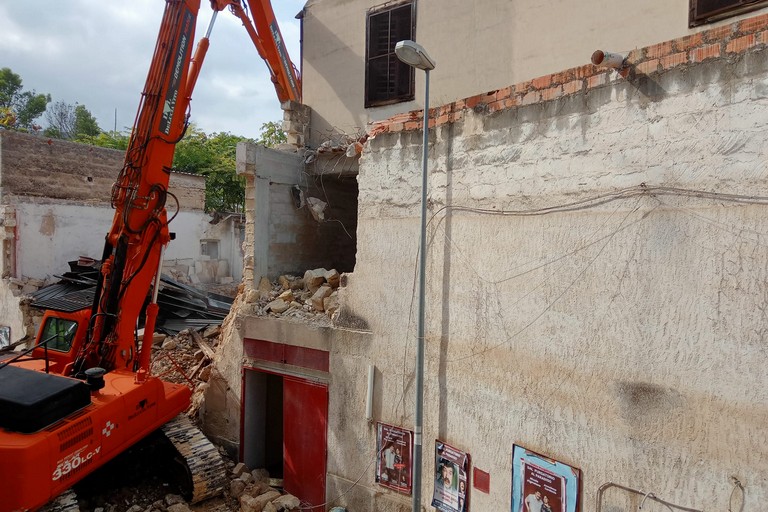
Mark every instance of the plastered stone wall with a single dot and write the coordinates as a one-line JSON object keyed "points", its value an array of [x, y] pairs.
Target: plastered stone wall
{"points": [[596, 281]]}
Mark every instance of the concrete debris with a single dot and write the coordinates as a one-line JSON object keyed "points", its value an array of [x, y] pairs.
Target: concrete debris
{"points": [[314, 299], [317, 208]]}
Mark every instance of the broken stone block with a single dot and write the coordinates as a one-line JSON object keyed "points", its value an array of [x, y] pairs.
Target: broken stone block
{"points": [[265, 288], [260, 475], [251, 297], [205, 374], [246, 477], [172, 499], [169, 345], [314, 279], [287, 296], [212, 331], [236, 488], [135, 508], [239, 469], [270, 507], [332, 277], [250, 503], [179, 507], [287, 502], [331, 304], [285, 282], [317, 299], [278, 306]]}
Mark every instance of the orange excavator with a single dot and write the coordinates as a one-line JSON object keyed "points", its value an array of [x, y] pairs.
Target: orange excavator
{"points": [[84, 393]]}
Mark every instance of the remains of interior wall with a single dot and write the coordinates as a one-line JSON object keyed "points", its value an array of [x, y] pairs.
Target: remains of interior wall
{"points": [[283, 234], [611, 319]]}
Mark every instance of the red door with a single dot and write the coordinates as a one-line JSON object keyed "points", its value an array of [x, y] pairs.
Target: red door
{"points": [[305, 419]]}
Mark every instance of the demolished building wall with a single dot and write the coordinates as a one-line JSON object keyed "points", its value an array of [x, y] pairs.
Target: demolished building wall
{"points": [[596, 276], [55, 197]]}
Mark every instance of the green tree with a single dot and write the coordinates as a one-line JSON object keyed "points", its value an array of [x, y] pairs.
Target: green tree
{"points": [[85, 123], [113, 140], [272, 134], [70, 122], [61, 120], [214, 157], [26, 106]]}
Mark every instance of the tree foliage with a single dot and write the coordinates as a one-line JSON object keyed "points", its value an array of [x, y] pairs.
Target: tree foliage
{"points": [[70, 122], [272, 134], [213, 156], [21, 108]]}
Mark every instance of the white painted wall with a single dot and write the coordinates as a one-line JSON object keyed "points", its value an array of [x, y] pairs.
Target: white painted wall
{"points": [[49, 235], [626, 338], [479, 46]]}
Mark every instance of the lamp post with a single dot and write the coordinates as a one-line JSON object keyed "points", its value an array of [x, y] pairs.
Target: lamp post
{"points": [[415, 56]]}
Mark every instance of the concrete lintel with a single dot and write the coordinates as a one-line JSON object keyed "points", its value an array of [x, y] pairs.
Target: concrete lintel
{"points": [[280, 330], [276, 166]]}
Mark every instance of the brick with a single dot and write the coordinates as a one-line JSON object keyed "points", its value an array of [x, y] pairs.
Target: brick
{"points": [[444, 119], [753, 24], [635, 55], [674, 60], [584, 71], [563, 77], [530, 98], [573, 86], [705, 52], [740, 44], [542, 82], [496, 105], [649, 66], [762, 37], [474, 101], [597, 80], [688, 42], [717, 34], [659, 50], [504, 93], [551, 93], [412, 125], [396, 127], [522, 88]]}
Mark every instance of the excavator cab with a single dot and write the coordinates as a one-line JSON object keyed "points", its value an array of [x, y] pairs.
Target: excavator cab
{"points": [[60, 338]]}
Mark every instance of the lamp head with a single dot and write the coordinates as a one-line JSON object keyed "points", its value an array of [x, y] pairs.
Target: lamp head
{"points": [[414, 55]]}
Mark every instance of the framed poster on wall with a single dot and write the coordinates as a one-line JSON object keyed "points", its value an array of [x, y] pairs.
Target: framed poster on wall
{"points": [[541, 484], [451, 492], [395, 448]]}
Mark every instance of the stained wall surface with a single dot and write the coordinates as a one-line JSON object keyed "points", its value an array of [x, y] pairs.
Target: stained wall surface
{"points": [[596, 281]]}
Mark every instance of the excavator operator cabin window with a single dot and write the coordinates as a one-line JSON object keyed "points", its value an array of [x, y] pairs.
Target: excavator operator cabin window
{"points": [[387, 80], [59, 333]]}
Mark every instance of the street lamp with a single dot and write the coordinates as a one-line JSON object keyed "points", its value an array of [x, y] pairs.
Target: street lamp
{"points": [[415, 56]]}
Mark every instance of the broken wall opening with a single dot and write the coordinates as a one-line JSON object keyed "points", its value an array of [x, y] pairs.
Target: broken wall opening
{"points": [[296, 219]]}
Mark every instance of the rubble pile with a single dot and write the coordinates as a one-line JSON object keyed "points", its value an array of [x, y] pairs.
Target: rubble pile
{"points": [[185, 358], [311, 297], [249, 491]]}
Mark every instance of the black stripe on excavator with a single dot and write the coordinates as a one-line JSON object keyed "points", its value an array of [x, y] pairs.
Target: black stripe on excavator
{"points": [[172, 94]]}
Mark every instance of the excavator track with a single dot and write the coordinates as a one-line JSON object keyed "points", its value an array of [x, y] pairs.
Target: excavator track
{"points": [[207, 471], [66, 502]]}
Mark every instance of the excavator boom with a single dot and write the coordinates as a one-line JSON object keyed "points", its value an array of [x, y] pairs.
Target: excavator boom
{"points": [[55, 428]]}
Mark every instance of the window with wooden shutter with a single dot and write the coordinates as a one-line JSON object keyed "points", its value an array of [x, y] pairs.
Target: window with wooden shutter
{"points": [[387, 80], [707, 11]]}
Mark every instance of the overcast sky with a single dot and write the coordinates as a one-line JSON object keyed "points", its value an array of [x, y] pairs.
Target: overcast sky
{"points": [[97, 53]]}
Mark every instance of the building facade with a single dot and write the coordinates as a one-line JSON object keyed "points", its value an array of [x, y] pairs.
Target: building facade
{"points": [[596, 263]]}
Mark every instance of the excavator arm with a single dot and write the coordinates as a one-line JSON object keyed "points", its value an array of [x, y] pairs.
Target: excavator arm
{"points": [[133, 248]]}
